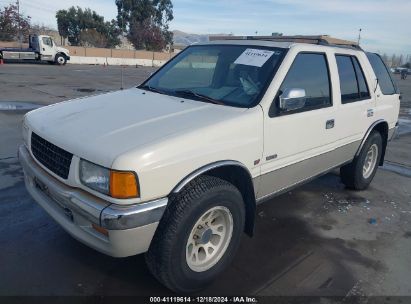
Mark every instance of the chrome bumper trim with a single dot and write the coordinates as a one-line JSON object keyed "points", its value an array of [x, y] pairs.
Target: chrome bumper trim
{"points": [[117, 217]]}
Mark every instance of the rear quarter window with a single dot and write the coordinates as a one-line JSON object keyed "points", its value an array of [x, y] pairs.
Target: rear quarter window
{"points": [[384, 78], [352, 80]]}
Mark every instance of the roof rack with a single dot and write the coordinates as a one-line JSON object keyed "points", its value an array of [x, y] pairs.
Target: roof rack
{"points": [[315, 39]]}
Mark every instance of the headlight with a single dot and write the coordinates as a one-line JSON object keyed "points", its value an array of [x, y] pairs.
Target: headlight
{"points": [[25, 132], [118, 184], [95, 177]]}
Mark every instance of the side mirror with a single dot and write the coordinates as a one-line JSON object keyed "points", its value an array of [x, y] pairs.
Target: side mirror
{"points": [[292, 99]]}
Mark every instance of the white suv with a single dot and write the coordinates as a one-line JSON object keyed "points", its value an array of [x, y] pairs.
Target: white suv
{"points": [[176, 166]]}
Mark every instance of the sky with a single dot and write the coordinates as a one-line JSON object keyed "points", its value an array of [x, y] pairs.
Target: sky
{"points": [[385, 23]]}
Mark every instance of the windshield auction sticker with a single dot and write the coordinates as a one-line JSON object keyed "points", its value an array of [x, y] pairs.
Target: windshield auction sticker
{"points": [[254, 57]]}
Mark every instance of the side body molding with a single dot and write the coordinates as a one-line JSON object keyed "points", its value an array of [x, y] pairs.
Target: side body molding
{"points": [[206, 168]]}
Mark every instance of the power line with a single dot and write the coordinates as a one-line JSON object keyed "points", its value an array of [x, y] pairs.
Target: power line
{"points": [[40, 8]]}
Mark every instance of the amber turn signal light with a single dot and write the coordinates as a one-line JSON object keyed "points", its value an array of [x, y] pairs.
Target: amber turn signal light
{"points": [[123, 184], [100, 229]]}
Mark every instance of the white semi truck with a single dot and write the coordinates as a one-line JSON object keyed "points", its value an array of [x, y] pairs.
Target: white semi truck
{"points": [[41, 48]]}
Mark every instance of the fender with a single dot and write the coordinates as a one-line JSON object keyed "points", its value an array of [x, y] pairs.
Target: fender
{"points": [[206, 168], [374, 124], [247, 190], [64, 53]]}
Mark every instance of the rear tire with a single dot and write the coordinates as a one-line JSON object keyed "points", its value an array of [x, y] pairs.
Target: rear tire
{"points": [[198, 235], [359, 173]]}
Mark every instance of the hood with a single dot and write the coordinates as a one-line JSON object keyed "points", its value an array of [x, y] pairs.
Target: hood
{"points": [[63, 50], [102, 127]]}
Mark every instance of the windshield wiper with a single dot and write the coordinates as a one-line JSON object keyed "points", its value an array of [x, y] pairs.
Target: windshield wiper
{"points": [[189, 93], [151, 89]]}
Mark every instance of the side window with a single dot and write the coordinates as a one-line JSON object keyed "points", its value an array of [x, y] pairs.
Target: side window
{"points": [[47, 41], [309, 71], [384, 78], [352, 80], [348, 80], [362, 83]]}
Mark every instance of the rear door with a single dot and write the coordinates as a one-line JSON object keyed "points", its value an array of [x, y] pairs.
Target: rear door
{"points": [[356, 102]]}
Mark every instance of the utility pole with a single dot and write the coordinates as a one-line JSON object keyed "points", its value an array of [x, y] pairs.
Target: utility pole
{"points": [[18, 20], [359, 36], [122, 53]]}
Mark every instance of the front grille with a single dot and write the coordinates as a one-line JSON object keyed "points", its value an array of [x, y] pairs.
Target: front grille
{"points": [[52, 157]]}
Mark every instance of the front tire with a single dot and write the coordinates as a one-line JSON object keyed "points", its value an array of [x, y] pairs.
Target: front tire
{"points": [[198, 235], [60, 59], [360, 172]]}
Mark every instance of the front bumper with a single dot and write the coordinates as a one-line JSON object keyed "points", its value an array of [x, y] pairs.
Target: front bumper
{"points": [[130, 228]]}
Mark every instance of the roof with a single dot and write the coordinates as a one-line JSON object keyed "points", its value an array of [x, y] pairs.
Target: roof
{"points": [[287, 41], [250, 42]]}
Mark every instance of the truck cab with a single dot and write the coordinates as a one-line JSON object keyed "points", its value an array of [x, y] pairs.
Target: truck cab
{"points": [[41, 48]]}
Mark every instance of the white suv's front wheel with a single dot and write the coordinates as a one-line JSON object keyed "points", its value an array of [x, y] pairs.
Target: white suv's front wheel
{"points": [[209, 239], [198, 235]]}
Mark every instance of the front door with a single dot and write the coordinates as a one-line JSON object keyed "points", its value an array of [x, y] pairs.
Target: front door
{"points": [[47, 49], [298, 144]]}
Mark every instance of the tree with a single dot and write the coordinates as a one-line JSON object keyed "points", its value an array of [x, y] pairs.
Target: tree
{"points": [[40, 29], [384, 57], [146, 36], [400, 60], [13, 25], [111, 32], [87, 28], [393, 60], [146, 22], [92, 38]]}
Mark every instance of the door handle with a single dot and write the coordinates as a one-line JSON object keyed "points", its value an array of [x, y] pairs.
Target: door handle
{"points": [[329, 124]]}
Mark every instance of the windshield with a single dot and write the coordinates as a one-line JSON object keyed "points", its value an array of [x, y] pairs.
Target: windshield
{"points": [[234, 75]]}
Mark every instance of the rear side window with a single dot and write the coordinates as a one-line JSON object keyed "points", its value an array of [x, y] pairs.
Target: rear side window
{"points": [[362, 84], [352, 81], [309, 71], [384, 78]]}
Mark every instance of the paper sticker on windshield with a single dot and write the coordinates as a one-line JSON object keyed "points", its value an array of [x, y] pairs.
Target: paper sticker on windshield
{"points": [[254, 57]]}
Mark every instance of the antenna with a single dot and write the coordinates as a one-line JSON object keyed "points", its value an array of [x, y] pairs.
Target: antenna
{"points": [[359, 36]]}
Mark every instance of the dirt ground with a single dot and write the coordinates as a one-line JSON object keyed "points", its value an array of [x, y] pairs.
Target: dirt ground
{"points": [[320, 239]]}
